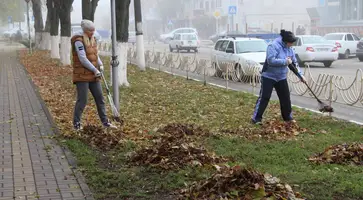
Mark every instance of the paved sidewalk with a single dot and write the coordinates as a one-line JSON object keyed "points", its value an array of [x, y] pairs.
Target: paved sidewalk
{"points": [[32, 165]]}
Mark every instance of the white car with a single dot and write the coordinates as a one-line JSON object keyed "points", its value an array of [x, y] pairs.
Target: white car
{"points": [[314, 48], [184, 41], [168, 36], [249, 54], [345, 42]]}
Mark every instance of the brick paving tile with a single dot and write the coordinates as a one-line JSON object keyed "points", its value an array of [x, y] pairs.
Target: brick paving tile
{"points": [[25, 170]]}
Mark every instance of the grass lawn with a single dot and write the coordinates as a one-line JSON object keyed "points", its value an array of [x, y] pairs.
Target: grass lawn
{"points": [[156, 99]]}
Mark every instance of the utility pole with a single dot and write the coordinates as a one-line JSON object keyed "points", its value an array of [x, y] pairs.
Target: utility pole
{"points": [[28, 21], [114, 61], [140, 52]]}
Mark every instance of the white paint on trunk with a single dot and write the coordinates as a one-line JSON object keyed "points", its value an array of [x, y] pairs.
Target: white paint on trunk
{"points": [[65, 50], [55, 47], [46, 43], [140, 59], [38, 40], [121, 51]]}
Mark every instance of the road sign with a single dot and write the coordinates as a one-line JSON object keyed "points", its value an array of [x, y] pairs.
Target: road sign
{"points": [[232, 10], [10, 19], [33, 18], [170, 23], [217, 14]]}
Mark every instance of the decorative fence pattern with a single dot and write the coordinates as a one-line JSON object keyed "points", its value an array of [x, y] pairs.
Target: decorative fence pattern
{"points": [[328, 87]]}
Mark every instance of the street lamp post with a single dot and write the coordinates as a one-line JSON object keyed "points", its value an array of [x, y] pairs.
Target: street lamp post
{"points": [[114, 61], [28, 21]]}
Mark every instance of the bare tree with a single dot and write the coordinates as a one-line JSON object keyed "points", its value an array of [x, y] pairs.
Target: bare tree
{"points": [[54, 27], [65, 7], [122, 36], [38, 22], [89, 9]]}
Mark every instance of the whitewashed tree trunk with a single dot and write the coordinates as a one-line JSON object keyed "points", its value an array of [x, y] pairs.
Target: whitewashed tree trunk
{"points": [[38, 40], [65, 50], [55, 47], [122, 68], [46, 40]]}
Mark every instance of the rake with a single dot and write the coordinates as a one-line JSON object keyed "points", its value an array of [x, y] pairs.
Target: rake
{"points": [[323, 107], [115, 113]]}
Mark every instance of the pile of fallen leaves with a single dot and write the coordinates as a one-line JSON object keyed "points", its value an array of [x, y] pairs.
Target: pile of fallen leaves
{"points": [[239, 183], [99, 137], [271, 130], [341, 154], [174, 148]]}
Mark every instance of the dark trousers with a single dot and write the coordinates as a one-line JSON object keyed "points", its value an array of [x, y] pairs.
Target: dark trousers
{"points": [[283, 92], [82, 96]]}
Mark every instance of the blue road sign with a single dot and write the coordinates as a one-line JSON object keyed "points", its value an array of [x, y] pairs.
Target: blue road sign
{"points": [[232, 10], [10, 19], [170, 23], [33, 18]]}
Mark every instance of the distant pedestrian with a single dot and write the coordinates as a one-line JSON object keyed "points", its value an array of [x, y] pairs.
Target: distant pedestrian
{"points": [[302, 32], [87, 69], [274, 75], [298, 30]]}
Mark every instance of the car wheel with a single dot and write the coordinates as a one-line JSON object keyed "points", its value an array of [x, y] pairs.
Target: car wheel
{"points": [[188, 50], [328, 63], [196, 50], [238, 74], [218, 72], [346, 54], [171, 49], [360, 58], [177, 49]]}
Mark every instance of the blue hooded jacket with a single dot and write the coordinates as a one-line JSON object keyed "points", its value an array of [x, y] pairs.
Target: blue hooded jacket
{"points": [[275, 66]]}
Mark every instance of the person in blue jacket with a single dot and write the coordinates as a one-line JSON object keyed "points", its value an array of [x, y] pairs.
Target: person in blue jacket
{"points": [[274, 75]]}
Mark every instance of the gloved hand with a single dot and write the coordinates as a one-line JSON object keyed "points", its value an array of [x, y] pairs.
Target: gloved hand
{"points": [[98, 74], [101, 68], [288, 61]]}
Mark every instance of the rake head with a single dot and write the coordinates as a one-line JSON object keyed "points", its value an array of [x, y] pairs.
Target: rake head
{"points": [[325, 108]]}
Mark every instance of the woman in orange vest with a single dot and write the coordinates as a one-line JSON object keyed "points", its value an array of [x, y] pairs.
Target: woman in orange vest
{"points": [[87, 69]]}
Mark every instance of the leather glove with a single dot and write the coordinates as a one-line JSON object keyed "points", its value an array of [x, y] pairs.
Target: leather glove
{"points": [[98, 74], [288, 61], [101, 68]]}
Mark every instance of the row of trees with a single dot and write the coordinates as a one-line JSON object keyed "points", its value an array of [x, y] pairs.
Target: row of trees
{"points": [[59, 13]]}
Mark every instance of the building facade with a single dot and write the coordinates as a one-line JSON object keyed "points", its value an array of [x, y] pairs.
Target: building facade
{"points": [[337, 16]]}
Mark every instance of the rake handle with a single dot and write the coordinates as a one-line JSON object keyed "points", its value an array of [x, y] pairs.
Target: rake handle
{"points": [[293, 68]]}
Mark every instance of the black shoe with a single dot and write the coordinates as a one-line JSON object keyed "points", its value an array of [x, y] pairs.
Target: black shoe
{"points": [[77, 126]]}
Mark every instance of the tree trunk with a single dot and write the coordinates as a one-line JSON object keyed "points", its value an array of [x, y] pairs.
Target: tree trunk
{"points": [[54, 28], [46, 41], [122, 36], [89, 9], [38, 22], [65, 7]]}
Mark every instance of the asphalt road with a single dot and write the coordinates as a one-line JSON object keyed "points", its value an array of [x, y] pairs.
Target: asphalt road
{"points": [[346, 68]]}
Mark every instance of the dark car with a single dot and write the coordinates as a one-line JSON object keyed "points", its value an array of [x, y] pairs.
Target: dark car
{"points": [[224, 34], [360, 50]]}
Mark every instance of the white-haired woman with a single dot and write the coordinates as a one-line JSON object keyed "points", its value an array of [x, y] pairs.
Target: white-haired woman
{"points": [[87, 69]]}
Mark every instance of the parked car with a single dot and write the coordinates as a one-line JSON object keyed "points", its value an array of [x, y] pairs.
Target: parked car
{"points": [[240, 51], [314, 48], [13, 32], [360, 50], [345, 42], [168, 36], [184, 41], [224, 34]]}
